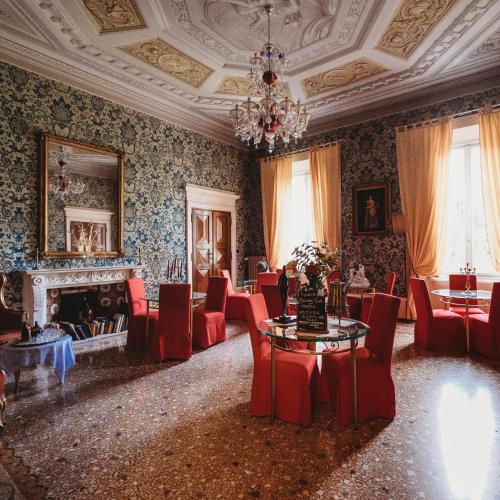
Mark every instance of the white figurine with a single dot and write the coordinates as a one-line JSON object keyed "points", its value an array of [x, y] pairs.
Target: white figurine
{"points": [[359, 279]]}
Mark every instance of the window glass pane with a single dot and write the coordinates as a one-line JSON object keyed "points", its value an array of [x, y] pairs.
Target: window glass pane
{"points": [[454, 257], [300, 221], [480, 250]]}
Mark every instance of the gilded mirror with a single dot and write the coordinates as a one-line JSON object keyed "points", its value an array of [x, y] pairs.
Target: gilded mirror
{"points": [[81, 200]]}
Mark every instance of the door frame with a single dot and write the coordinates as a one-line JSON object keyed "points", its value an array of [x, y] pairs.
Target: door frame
{"points": [[210, 199]]}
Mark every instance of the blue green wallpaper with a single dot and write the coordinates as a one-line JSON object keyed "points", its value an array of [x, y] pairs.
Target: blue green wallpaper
{"points": [[160, 158]]}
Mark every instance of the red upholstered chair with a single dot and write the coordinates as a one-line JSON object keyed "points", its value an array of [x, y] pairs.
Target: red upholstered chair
{"points": [[236, 302], [457, 282], [375, 388], [136, 296], [435, 329], [172, 338], [484, 328], [366, 301], [273, 300], [266, 279], [209, 325], [296, 374]]}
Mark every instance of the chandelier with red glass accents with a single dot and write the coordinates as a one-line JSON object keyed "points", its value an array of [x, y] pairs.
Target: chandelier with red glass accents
{"points": [[270, 118]]}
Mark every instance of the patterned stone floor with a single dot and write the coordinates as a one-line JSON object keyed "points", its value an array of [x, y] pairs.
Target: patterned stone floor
{"points": [[126, 427]]}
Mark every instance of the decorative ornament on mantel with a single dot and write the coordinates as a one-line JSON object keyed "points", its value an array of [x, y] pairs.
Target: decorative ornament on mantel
{"points": [[61, 184], [269, 118]]}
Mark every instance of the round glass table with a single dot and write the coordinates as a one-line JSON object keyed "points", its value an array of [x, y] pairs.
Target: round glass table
{"points": [[450, 297], [331, 342]]}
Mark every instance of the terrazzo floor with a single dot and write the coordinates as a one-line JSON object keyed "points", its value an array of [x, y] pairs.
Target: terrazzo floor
{"points": [[125, 427]]}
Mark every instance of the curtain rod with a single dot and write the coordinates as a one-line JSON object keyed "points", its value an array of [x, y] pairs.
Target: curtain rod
{"points": [[298, 151], [435, 121]]}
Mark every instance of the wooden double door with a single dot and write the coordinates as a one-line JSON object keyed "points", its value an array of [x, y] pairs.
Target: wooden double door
{"points": [[211, 245]]}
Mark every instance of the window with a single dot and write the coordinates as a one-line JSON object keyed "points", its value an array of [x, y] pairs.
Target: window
{"points": [[301, 227], [466, 239]]}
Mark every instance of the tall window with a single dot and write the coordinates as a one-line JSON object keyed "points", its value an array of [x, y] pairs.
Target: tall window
{"points": [[466, 227], [300, 222]]}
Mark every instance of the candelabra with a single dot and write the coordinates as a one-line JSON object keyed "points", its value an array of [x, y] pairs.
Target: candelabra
{"points": [[467, 270]]}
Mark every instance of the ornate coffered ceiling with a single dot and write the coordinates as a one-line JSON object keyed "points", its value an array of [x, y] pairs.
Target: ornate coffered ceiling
{"points": [[186, 60], [115, 16]]}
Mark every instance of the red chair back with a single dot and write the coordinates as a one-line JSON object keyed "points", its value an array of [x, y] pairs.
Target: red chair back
{"points": [[225, 274], [256, 311], [174, 307], [383, 319], [422, 300], [334, 276], [279, 271], [136, 295], [391, 279], [494, 317], [457, 282], [216, 294], [272, 298], [266, 279]]}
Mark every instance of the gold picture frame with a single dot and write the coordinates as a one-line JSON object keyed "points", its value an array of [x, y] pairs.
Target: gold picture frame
{"points": [[46, 140], [371, 209]]}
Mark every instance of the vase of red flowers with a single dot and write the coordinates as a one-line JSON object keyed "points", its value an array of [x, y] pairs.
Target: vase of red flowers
{"points": [[316, 262]]}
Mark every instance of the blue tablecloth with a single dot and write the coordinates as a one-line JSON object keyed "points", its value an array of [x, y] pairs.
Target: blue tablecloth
{"points": [[59, 355]]}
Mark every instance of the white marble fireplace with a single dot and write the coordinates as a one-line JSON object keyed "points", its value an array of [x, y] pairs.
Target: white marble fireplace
{"points": [[36, 282]]}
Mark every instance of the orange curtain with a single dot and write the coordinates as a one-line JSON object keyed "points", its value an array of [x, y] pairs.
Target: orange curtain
{"points": [[276, 183], [489, 139], [422, 155], [325, 190]]}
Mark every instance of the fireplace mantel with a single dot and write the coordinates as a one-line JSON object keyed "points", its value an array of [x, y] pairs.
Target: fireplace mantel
{"points": [[36, 282]]}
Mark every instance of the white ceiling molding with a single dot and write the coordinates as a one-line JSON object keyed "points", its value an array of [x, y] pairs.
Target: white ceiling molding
{"points": [[60, 39]]}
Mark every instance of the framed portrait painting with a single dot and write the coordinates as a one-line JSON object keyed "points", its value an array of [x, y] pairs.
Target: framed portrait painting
{"points": [[371, 209]]}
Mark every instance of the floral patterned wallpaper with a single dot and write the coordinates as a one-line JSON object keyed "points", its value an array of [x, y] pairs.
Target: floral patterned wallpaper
{"points": [[369, 156], [160, 158], [98, 193]]}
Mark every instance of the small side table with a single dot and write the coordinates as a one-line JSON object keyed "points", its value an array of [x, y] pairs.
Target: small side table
{"points": [[58, 354]]}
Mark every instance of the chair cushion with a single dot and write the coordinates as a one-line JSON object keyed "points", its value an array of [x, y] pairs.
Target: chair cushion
{"points": [[209, 316], [461, 310], [443, 313]]}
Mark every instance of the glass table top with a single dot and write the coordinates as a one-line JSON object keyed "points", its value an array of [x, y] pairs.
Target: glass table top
{"points": [[194, 296], [463, 294], [349, 330]]}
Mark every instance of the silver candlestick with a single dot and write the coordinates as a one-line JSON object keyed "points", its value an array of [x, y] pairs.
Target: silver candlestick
{"points": [[467, 270]]}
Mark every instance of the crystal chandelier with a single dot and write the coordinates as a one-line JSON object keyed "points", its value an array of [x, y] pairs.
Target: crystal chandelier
{"points": [[61, 184], [269, 118]]}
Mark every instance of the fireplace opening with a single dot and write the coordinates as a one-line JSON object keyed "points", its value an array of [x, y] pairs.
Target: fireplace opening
{"points": [[88, 312]]}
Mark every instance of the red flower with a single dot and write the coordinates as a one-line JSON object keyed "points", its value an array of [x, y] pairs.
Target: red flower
{"points": [[312, 269]]}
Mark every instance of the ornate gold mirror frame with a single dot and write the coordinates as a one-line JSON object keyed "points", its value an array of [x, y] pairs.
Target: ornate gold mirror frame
{"points": [[49, 253]]}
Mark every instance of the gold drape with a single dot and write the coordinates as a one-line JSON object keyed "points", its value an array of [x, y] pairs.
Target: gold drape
{"points": [[276, 182], [422, 155], [325, 191], [489, 139]]}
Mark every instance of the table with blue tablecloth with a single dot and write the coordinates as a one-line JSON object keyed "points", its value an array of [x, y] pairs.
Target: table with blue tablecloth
{"points": [[59, 355]]}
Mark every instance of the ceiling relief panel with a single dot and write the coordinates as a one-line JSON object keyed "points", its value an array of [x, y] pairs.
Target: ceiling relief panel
{"points": [[413, 21], [240, 85], [115, 15], [168, 59], [341, 76]]}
